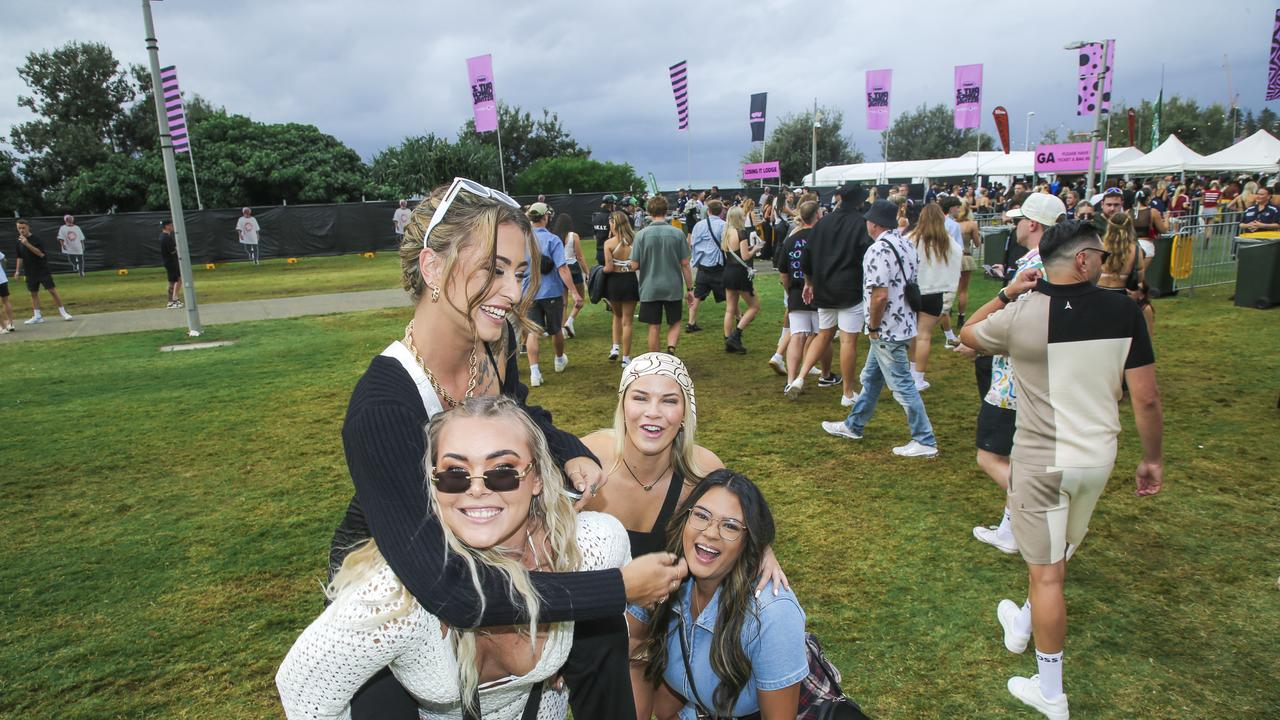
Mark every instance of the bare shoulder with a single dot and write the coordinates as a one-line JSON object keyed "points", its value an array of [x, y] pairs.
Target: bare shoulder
{"points": [[706, 460], [600, 443]]}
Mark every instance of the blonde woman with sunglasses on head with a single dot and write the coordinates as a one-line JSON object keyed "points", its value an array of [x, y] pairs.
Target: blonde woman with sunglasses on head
{"points": [[465, 251], [502, 506]]}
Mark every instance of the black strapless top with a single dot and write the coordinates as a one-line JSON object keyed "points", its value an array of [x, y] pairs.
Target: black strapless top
{"points": [[655, 540]]}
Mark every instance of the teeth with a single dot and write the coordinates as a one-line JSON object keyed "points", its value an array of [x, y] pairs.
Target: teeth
{"points": [[705, 549], [651, 428], [480, 513], [494, 312]]}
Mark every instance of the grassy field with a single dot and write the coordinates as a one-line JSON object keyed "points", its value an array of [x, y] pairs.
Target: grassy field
{"points": [[144, 288], [168, 517]]}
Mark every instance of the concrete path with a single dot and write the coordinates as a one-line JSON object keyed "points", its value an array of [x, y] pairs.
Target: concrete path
{"points": [[127, 321]]}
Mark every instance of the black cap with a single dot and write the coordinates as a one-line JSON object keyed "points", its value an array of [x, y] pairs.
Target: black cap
{"points": [[883, 213]]}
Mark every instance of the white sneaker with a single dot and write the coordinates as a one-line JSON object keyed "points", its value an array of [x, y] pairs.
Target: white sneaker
{"points": [[847, 401], [815, 370], [1015, 637], [793, 390], [922, 385], [535, 380], [839, 429], [1028, 691], [915, 449], [67, 316], [625, 361], [992, 537], [614, 352], [561, 362], [33, 320], [568, 329], [779, 365]]}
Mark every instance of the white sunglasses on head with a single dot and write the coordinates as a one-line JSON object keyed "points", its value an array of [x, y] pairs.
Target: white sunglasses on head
{"points": [[471, 186]]}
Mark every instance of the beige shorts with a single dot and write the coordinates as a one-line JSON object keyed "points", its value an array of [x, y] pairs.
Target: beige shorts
{"points": [[968, 263], [1051, 507]]}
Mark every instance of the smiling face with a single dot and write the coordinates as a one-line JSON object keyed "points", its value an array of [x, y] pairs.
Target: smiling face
{"points": [[652, 411], [470, 273], [711, 557], [481, 517]]}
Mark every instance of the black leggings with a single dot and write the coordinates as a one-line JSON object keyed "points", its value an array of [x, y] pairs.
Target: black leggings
{"points": [[597, 673]]}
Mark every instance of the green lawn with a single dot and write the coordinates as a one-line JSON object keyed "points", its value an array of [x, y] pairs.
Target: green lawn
{"points": [[168, 517]]}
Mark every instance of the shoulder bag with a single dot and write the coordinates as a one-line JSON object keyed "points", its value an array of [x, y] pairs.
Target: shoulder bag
{"points": [[912, 289], [751, 272], [595, 284]]}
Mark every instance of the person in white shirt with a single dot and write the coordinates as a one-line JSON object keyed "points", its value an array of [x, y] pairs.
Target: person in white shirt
{"points": [[401, 218], [247, 228], [71, 240], [939, 273], [7, 307], [502, 503]]}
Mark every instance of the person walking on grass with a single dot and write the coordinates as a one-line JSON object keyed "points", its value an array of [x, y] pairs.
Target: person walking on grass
{"points": [[660, 256], [1074, 346], [400, 218], [33, 259], [71, 240], [247, 229], [709, 260], [739, 247], [6, 322], [172, 270], [802, 318], [620, 285], [574, 261], [833, 274], [890, 264], [547, 310], [939, 274]]}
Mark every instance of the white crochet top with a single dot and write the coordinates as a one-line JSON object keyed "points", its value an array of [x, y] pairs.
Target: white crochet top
{"points": [[340, 650]]}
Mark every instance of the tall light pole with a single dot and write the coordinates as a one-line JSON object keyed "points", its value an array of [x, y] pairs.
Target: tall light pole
{"points": [[1097, 116], [813, 157], [171, 178], [1026, 135]]}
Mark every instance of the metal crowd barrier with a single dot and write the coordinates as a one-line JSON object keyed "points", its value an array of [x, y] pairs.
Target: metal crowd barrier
{"points": [[1212, 243]]}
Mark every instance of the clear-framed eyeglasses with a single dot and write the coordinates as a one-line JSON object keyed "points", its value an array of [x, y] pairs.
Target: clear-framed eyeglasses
{"points": [[701, 518]]}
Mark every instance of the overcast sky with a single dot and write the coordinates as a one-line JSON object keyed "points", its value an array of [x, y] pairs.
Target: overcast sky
{"points": [[373, 71]]}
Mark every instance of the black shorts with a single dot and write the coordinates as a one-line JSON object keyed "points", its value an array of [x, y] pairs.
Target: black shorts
{"points": [[995, 429], [35, 281], [575, 274], [547, 313], [4, 289], [173, 272], [651, 312], [710, 280], [931, 304]]}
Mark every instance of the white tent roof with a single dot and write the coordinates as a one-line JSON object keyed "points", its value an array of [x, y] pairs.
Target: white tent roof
{"points": [[987, 162], [1019, 162], [965, 165], [1171, 157], [1260, 152]]}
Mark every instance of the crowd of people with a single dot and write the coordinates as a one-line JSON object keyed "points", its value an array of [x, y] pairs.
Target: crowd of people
{"points": [[500, 590]]}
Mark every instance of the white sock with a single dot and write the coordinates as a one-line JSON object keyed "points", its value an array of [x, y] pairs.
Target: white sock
{"points": [[777, 358], [37, 313], [533, 369], [1024, 616], [913, 367], [561, 358], [799, 381], [1005, 529], [616, 348], [950, 335], [1050, 666], [626, 358]]}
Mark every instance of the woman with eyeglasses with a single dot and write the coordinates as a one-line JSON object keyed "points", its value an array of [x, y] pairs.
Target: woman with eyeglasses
{"points": [[716, 647], [463, 256], [652, 462], [502, 506]]}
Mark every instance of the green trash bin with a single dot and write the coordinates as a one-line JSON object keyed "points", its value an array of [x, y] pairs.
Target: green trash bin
{"points": [[1158, 277], [1258, 273], [993, 239]]}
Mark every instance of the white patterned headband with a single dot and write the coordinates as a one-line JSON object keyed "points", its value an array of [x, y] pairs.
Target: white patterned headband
{"points": [[658, 363]]}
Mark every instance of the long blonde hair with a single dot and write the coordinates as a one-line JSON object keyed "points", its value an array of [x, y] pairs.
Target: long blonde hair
{"points": [[1121, 241], [622, 228], [550, 511], [930, 234], [737, 222], [682, 447]]}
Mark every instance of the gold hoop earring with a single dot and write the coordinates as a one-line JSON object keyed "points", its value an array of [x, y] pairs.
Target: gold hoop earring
{"points": [[435, 294]]}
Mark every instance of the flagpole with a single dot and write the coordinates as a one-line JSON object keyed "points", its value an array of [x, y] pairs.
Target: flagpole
{"points": [[502, 171], [191, 155]]}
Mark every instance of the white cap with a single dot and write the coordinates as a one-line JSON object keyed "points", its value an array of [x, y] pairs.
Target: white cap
{"points": [[1041, 207]]}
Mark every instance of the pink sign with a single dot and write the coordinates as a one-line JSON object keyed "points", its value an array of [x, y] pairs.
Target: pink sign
{"points": [[483, 102], [878, 82], [968, 113], [759, 171], [1090, 95], [1068, 157]]}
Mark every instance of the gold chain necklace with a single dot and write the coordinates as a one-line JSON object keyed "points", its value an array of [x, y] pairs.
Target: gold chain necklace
{"points": [[473, 370], [648, 487]]}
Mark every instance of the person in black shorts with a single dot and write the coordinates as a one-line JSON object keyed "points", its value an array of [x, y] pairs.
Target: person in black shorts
{"points": [[660, 254], [32, 257], [6, 323], [169, 254]]}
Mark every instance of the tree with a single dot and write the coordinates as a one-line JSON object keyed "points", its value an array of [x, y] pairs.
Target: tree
{"points": [[78, 92], [1049, 137], [15, 195], [929, 132], [576, 174], [525, 140], [420, 163], [791, 144]]}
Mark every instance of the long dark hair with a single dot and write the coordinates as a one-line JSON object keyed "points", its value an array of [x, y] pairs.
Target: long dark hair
{"points": [[563, 226], [729, 660]]}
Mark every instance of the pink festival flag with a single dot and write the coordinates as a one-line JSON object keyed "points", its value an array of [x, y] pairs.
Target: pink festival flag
{"points": [[173, 111], [1089, 96], [968, 113], [480, 70], [878, 82]]}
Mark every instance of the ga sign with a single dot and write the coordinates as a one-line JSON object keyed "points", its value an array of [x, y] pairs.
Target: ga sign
{"points": [[1068, 157]]}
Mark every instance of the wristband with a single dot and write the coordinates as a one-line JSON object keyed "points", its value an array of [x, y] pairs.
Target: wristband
{"points": [[1002, 297], [873, 330]]}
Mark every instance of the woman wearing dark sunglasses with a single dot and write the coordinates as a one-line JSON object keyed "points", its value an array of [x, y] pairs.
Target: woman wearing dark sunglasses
{"points": [[502, 506], [464, 253], [716, 648]]}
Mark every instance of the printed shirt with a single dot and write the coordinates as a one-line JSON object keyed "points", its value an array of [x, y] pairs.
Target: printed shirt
{"points": [[550, 245], [401, 219], [1071, 345], [792, 251], [773, 638], [706, 238], [71, 239], [1269, 214], [880, 268], [248, 230], [1004, 391]]}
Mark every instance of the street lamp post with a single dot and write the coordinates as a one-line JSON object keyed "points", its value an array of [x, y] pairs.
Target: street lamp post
{"points": [[813, 156], [1097, 116], [1026, 135]]}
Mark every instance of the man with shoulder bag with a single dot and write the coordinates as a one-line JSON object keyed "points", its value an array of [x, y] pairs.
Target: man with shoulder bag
{"points": [[708, 259]]}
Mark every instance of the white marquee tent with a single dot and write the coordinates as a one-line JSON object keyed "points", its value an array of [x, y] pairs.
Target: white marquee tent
{"points": [[987, 162], [1171, 157], [1258, 153]]}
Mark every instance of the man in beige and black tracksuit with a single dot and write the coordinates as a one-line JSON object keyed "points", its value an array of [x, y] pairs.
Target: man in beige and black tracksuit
{"points": [[1073, 346]]}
